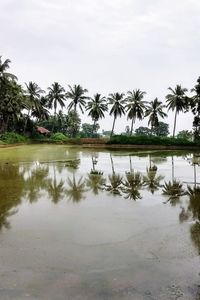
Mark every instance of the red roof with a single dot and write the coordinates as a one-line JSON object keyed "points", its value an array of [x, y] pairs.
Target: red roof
{"points": [[42, 129]]}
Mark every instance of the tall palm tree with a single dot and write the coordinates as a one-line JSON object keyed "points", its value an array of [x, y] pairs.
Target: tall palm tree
{"points": [[154, 111], [32, 99], [176, 101], [97, 107], [3, 70], [56, 96], [117, 109], [135, 106], [77, 96]]}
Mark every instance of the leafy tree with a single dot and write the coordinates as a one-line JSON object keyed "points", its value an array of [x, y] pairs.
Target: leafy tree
{"points": [[162, 129], [117, 109], [154, 111], [97, 107], [185, 134], [73, 123], [135, 106], [88, 130], [177, 101], [77, 96], [145, 131]]}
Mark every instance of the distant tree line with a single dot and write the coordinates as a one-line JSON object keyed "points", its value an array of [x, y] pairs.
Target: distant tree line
{"points": [[23, 107]]}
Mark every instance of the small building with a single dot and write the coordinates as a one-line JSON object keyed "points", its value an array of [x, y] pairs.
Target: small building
{"points": [[42, 130]]}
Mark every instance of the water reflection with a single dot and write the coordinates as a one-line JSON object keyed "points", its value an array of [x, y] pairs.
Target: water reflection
{"points": [[63, 180], [131, 185], [76, 189], [174, 190], [152, 180]]}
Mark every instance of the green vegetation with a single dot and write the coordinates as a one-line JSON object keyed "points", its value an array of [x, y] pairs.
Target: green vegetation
{"points": [[24, 108], [58, 137], [12, 138], [150, 140]]}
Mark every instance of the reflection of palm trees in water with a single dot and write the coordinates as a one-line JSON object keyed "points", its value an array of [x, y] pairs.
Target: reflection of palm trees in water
{"points": [[115, 181], [76, 189], [12, 190], [35, 182], [174, 190], [55, 189], [131, 185], [95, 182], [151, 180]]}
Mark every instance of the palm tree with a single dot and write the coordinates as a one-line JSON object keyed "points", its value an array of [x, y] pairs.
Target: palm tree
{"points": [[176, 101], [117, 109], [154, 111], [56, 96], [135, 106], [96, 106], [195, 100], [32, 100], [3, 70], [77, 96]]}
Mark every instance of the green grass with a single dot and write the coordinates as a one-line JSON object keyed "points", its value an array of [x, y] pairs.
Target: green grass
{"points": [[12, 138]]}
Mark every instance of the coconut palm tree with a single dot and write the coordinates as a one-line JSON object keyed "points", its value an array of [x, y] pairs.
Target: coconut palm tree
{"points": [[32, 99], [177, 101], [97, 107], [154, 111], [56, 96], [195, 100], [4, 65], [135, 106], [77, 96], [117, 109]]}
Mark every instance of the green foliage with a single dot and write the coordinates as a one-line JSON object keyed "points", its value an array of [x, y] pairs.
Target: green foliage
{"points": [[59, 136], [73, 123], [12, 138], [149, 140], [88, 130], [185, 134]]}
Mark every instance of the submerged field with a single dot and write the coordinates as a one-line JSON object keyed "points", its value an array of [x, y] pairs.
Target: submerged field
{"points": [[98, 224]]}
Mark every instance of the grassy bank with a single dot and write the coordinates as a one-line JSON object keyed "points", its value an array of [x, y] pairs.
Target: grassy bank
{"points": [[117, 141]]}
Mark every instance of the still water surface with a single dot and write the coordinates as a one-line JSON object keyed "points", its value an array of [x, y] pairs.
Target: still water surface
{"points": [[88, 224]]}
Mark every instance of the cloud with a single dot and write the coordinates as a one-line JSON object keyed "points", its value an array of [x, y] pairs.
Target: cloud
{"points": [[105, 45]]}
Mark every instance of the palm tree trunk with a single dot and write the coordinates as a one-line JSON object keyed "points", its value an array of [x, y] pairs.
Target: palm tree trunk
{"points": [[54, 120], [26, 121], [113, 126], [131, 127], [174, 123], [93, 130]]}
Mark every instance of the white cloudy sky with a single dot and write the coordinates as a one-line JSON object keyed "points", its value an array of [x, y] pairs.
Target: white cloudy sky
{"points": [[104, 45]]}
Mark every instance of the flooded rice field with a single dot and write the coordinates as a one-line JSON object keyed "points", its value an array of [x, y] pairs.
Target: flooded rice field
{"points": [[88, 224]]}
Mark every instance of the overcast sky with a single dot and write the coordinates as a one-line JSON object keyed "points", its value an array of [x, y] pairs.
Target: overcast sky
{"points": [[104, 45]]}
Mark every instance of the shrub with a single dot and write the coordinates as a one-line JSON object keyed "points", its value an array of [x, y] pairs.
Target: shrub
{"points": [[150, 140], [12, 138], [58, 137]]}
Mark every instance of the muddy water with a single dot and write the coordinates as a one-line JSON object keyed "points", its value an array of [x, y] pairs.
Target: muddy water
{"points": [[79, 224]]}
